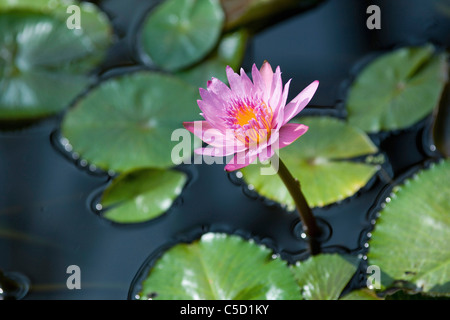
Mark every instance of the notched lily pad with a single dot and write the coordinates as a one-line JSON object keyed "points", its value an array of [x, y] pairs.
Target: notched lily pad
{"points": [[318, 161], [142, 195], [127, 122], [324, 277], [43, 64], [219, 267], [397, 89], [179, 33], [410, 240]]}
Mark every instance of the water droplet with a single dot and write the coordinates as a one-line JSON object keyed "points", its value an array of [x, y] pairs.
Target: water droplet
{"points": [[13, 285], [75, 156], [68, 147], [275, 256], [360, 256], [433, 148], [137, 297], [303, 235], [369, 235], [251, 187], [373, 221], [383, 205], [388, 200], [64, 141], [364, 257], [111, 173], [366, 245], [98, 206], [239, 175], [92, 167], [83, 163]]}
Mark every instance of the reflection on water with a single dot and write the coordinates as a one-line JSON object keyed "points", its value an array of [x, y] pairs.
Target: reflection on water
{"points": [[46, 218]]}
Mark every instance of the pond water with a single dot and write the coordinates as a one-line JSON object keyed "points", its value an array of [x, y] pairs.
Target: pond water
{"points": [[47, 221]]}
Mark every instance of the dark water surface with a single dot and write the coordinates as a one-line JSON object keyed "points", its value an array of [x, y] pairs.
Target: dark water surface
{"points": [[46, 217]]}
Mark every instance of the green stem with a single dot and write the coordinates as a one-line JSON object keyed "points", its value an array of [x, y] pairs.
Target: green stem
{"points": [[306, 216]]}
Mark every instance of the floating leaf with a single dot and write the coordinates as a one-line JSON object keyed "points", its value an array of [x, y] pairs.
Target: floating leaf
{"points": [[230, 52], [220, 267], [316, 160], [127, 122], [410, 240], [94, 23], [404, 295], [142, 195], [397, 89], [179, 33], [361, 294], [324, 277], [43, 64], [257, 14]]}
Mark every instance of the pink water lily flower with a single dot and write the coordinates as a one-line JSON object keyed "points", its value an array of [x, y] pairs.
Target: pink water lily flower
{"points": [[249, 119]]}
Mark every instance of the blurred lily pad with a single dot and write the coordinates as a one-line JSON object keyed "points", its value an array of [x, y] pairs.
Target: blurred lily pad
{"points": [[219, 267], [127, 122], [257, 14], [397, 89], [318, 161], [93, 23], [43, 64], [142, 195], [410, 240], [324, 277], [230, 52], [179, 33]]}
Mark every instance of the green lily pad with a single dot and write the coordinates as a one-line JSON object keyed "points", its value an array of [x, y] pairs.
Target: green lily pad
{"points": [[179, 33], [127, 122], [317, 161], [94, 23], [324, 277], [397, 89], [361, 294], [43, 64], [142, 195], [219, 267], [410, 240], [230, 52]]}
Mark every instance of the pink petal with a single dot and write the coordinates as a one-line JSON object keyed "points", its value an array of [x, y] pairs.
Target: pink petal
{"points": [[209, 134], [278, 110], [246, 83], [258, 81], [277, 90], [300, 101], [212, 115], [240, 160], [267, 75], [220, 89], [289, 133], [235, 82]]}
